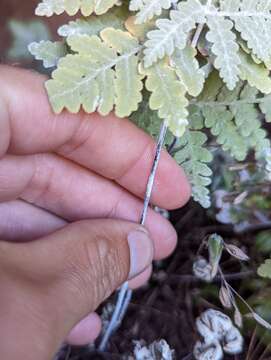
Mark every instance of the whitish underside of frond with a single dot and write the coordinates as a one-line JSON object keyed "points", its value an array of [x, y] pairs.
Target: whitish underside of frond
{"points": [[91, 25], [101, 74], [167, 96], [71, 7], [188, 70], [172, 33], [225, 48], [47, 51], [149, 8]]}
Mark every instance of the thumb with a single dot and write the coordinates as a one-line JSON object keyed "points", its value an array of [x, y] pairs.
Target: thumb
{"points": [[49, 285]]}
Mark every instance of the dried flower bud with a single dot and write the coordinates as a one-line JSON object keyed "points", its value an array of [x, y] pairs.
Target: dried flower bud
{"points": [[225, 297], [236, 252]]}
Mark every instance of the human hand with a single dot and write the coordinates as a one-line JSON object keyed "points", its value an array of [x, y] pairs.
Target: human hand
{"points": [[57, 173]]}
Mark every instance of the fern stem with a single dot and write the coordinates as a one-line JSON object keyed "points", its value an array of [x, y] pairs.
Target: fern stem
{"points": [[159, 146], [125, 294]]}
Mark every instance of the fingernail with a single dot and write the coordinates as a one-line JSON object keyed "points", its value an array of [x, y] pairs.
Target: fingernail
{"points": [[141, 251]]}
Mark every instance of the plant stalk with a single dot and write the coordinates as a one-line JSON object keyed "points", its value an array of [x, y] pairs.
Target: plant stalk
{"points": [[125, 294]]}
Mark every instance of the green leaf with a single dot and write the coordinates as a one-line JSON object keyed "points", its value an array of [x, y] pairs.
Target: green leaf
{"points": [[265, 269], [47, 51], [101, 73], [24, 33], [187, 68], [193, 157], [215, 247], [167, 96], [225, 48]]}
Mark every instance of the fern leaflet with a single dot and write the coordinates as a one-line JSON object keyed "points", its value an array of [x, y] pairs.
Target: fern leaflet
{"points": [[92, 82], [49, 52], [187, 68], [225, 48], [149, 8], [194, 158], [87, 7], [173, 33], [167, 96]]}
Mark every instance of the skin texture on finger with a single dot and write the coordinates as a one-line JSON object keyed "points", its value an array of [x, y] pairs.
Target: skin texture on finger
{"points": [[75, 193], [112, 147], [77, 267], [20, 221]]}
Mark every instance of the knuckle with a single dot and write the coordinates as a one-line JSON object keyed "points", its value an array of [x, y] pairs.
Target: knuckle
{"points": [[83, 133]]}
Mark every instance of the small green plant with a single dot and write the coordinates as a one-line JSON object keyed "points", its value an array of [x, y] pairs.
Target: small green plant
{"points": [[202, 67]]}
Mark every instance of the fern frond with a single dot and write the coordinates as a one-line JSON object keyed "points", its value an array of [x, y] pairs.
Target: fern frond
{"points": [[193, 157], [234, 117], [167, 96], [254, 29], [173, 32], [149, 8], [101, 73], [92, 25], [225, 48], [188, 70], [222, 126], [71, 7], [48, 52]]}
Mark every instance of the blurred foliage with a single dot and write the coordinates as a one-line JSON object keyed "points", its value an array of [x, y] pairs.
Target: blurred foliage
{"points": [[23, 33]]}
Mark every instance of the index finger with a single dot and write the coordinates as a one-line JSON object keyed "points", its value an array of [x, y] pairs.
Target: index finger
{"points": [[114, 148]]}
